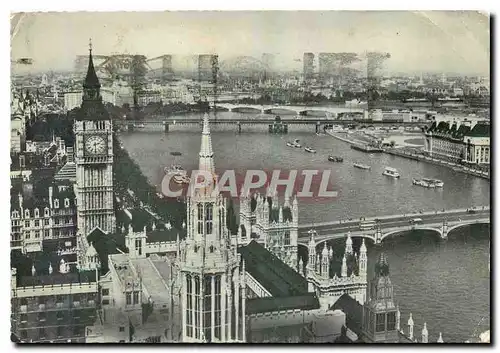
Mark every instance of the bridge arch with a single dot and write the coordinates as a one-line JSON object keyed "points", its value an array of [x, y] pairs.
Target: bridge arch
{"points": [[280, 110], [468, 224], [244, 109], [391, 234], [344, 236], [315, 112]]}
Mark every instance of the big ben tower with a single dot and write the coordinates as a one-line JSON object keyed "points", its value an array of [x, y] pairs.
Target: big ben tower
{"points": [[213, 285], [94, 164]]}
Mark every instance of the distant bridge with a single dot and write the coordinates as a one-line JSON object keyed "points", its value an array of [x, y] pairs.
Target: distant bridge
{"points": [[386, 226], [329, 112], [318, 122]]}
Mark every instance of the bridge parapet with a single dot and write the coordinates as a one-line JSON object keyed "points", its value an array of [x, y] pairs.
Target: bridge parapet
{"points": [[442, 228]]}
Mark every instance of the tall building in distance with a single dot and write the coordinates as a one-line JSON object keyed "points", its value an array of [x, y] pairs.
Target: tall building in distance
{"points": [[268, 59], [308, 66], [167, 71], [327, 65], [207, 65], [94, 165]]}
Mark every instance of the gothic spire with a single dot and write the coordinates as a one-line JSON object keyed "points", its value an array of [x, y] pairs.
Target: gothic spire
{"points": [[91, 80], [206, 162], [382, 266]]}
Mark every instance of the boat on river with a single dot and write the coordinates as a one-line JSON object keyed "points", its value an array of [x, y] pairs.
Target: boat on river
{"points": [[366, 148], [422, 182], [335, 159], [295, 144], [310, 150], [436, 182], [391, 172], [178, 174], [361, 166]]}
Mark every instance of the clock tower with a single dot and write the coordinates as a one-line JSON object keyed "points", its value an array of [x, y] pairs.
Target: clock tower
{"points": [[94, 165]]}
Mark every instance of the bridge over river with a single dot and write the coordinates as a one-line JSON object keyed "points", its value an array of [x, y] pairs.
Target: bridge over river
{"points": [[319, 123], [385, 226], [330, 112]]}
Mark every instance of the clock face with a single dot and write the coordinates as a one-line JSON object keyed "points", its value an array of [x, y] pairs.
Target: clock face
{"points": [[95, 145]]}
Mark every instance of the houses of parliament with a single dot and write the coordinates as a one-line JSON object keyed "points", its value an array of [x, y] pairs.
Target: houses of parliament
{"points": [[199, 284]]}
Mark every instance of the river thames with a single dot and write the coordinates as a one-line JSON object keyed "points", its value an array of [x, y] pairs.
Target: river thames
{"points": [[444, 283]]}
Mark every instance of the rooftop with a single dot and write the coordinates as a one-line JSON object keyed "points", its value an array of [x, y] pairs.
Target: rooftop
{"points": [[353, 311], [307, 301], [142, 218], [67, 172], [272, 273], [57, 278]]}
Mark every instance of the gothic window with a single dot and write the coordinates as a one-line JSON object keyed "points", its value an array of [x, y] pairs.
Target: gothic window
{"points": [[136, 297], [200, 218], [197, 309], [46, 212], [287, 237], [391, 321], [138, 246], [128, 298], [207, 310], [26, 224], [66, 202], [46, 233], [209, 217], [217, 309], [15, 214], [27, 214], [56, 203], [37, 213], [189, 306], [380, 324]]}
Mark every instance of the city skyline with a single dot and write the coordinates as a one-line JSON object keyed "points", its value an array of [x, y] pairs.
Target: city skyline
{"points": [[451, 42]]}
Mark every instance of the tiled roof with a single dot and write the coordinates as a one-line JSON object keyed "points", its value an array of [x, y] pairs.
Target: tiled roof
{"points": [[307, 301], [96, 233], [353, 311], [67, 172], [272, 273], [480, 130]]}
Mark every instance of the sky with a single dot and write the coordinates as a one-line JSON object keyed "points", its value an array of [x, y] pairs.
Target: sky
{"points": [[451, 42]]}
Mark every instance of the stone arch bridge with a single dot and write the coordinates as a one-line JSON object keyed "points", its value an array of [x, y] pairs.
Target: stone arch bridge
{"points": [[442, 223]]}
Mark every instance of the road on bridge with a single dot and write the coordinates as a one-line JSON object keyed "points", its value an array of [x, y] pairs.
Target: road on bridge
{"points": [[394, 221], [266, 120]]}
